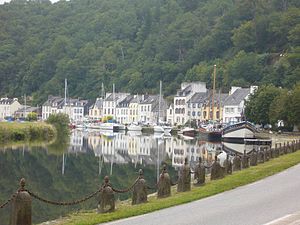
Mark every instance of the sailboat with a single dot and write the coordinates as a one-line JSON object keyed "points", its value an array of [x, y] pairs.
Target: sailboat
{"points": [[161, 128], [212, 132]]}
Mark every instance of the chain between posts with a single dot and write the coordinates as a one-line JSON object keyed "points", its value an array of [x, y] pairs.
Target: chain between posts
{"points": [[125, 190], [64, 203], [8, 201]]}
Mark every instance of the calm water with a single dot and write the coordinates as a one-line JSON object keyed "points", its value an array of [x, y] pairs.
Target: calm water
{"points": [[73, 168]]}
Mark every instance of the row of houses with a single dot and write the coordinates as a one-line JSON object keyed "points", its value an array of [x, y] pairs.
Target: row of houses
{"points": [[192, 102]]}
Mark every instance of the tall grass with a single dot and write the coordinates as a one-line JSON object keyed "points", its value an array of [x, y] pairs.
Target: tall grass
{"points": [[28, 131]]}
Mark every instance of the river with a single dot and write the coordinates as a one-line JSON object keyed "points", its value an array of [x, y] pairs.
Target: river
{"points": [[72, 170]]}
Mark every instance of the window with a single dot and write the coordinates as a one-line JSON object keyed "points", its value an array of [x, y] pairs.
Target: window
{"points": [[199, 114], [194, 105], [199, 105], [189, 113], [194, 113]]}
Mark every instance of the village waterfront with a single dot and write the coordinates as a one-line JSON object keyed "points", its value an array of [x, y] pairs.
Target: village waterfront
{"points": [[78, 167]]}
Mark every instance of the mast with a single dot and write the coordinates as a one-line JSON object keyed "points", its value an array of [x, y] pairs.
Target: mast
{"points": [[102, 91], [25, 106], [114, 108], [213, 93], [65, 103], [159, 101]]}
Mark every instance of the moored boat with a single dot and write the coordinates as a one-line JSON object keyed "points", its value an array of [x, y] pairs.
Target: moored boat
{"points": [[134, 127], [238, 132], [189, 131]]}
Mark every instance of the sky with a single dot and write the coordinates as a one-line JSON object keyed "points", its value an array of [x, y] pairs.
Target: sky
{"points": [[2, 1]]}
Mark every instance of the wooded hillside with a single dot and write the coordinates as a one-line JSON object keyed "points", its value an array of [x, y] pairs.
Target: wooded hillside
{"points": [[135, 43]]}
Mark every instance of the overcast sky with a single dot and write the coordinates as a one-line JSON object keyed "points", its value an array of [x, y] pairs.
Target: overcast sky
{"points": [[2, 1]]}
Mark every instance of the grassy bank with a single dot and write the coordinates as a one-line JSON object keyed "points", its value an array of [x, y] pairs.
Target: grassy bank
{"points": [[28, 131], [211, 188]]}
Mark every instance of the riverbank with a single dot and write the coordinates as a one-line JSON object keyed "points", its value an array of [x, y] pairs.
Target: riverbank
{"points": [[124, 209], [27, 131]]}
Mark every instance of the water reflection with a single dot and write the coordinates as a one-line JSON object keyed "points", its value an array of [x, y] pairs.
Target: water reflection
{"points": [[74, 166]]}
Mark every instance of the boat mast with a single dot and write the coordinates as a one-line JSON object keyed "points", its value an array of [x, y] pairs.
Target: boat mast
{"points": [[114, 104], [213, 93], [65, 96], [102, 91], [159, 101]]}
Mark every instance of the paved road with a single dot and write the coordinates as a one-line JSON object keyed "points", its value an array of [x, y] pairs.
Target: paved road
{"points": [[257, 203]]}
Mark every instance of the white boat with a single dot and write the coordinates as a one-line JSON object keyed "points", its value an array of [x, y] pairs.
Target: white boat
{"points": [[248, 145], [238, 132], [134, 127], [158, 129], [109, 126]]}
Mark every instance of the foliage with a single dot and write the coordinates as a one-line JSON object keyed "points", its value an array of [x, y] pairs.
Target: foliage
{"points": [[32, 116], [270, 104], [60, 121], [14, 131], [257, 107], [134, 44]]}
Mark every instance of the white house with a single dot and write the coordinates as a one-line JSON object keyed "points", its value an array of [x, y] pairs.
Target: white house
{"points": [[8, 106], [180, 100], [110, 103], [96, 110], [234, 104], [122, 111]]}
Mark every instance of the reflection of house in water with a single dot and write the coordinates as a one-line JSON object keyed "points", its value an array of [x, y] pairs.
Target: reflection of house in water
{"points": [[179, 149], [120, 148], [78, 142]]}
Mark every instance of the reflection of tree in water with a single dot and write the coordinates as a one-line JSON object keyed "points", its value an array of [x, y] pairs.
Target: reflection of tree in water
{"points": [[60, 144]]}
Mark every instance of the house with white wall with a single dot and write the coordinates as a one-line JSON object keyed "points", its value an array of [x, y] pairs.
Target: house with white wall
{"points": [[186, 91], [234, 104], [8, 106]]}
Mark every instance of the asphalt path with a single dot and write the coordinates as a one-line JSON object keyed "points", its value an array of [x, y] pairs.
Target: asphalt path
{"points": [[257, 203]]}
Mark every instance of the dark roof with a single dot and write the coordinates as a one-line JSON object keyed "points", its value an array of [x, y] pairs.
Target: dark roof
{"points": [[185, 91], [6, 101], [98, 103], [125, 102], [150, 99], [237, 97], [198, 98]]}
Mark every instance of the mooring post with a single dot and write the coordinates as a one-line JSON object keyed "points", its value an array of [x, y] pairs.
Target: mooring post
{"points": [[21, 207]]}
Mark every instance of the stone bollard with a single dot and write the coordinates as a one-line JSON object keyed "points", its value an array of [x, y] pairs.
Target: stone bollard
{"points": [[285, 148], [200, 173], [245, 160], [216, 170], [164, 184], [253, 158], [236, 163], [294, 146], [227, 165], [106, 198], [139, 194], [280, 149], [261, 156], [267, 154], [21, 207], [184, 180]]}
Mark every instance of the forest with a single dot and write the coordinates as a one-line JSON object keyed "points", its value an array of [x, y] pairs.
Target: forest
{"points": [[136, 43]]}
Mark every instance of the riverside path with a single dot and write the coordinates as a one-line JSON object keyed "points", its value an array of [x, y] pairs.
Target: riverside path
{"points": [[262, 202]]}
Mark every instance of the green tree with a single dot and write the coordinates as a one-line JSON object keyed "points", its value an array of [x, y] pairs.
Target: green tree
{"points": [[257, 107], [32, 116]]}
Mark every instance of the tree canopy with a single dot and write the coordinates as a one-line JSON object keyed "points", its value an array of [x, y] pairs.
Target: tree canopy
{"points": [[136, 43]]}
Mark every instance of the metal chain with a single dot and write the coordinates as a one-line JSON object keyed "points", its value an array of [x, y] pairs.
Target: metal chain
{"points": [[8, 201], [125, 190], [64, 203]]}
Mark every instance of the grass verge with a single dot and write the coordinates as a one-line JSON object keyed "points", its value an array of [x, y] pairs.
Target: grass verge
{"points": [[211, 188]]}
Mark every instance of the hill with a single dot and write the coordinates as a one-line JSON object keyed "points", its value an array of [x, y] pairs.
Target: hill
{"points": [[135, 43]]}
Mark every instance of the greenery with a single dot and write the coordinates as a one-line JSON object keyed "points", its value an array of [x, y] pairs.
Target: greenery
{"points": [[211, 188], [32, 116], [269, 104], [60, 121], [135, 43], [11, 132]]}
